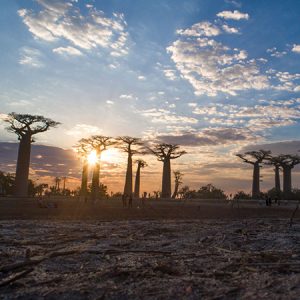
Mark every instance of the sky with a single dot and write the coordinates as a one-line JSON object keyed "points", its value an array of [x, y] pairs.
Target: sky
{"points": [[215, 76]]}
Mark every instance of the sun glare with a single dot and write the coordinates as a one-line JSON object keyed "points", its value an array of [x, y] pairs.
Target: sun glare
{"points": [[110, 156], [92, 158]]}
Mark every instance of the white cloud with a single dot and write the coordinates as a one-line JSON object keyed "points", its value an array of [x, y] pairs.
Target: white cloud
{"points": [[67, 51], [63, 21], [275, 53], [297, 88], [257, 117], [21, 103], [229, 29], [233, 15], [124, 96], [166, 117], [285, 81], [212, 67], [30, 57], [3, 116], [170, 74], [113, 66], [233, 2], [296, 48], [109, 102], [83, 130], [208, 111], [141, 77], [200, 29]]}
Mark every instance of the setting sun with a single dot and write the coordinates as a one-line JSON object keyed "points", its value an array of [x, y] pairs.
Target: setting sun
{"points": [[92, 158]]}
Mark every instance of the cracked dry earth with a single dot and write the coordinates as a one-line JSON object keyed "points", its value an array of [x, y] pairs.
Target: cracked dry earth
{"points": [[211, 259]]}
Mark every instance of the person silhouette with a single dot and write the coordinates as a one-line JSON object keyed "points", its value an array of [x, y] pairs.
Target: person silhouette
{"points": [[267, 200], [124, 200], [130, 201]]}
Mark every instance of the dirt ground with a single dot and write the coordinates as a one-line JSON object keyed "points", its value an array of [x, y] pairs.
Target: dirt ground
{"points": [[160, 251], [111, 210]]}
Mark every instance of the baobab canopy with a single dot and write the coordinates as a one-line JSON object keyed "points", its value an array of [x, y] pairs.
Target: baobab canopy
{"points": [[25, 126]]}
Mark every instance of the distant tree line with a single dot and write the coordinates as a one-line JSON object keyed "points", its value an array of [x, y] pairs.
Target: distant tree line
{"points": [[208, 191]]}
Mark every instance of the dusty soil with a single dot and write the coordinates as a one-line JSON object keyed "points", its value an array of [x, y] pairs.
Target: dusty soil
{"points": [[208, 259], [161, 251]]}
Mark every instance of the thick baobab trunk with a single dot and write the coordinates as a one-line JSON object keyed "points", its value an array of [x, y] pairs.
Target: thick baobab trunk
{"points": [[95, 181], [166, 179], [84, 179], [277, 180], [128, 180], [255, 183], [287, 180], [137, 182], [22, 170], [175, 190]]}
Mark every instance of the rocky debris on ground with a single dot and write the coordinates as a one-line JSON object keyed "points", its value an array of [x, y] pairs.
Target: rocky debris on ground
{"points": [[208, 259]]}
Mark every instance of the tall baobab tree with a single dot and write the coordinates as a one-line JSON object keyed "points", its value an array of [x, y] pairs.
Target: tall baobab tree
{"points": [[178, 181], [140, 164], [288, 162], [57, 181], [165, 153], [255, 158], [131, 146], [26, 126], [64, 179], [276, 162], [83, 148], [98, 143]]}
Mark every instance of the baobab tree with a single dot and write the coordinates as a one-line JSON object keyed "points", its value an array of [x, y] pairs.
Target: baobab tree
{"points": [[25, 126], [288, 162], [131, 146], [83, 148], [165, 153], [255, 158], [64, 179], [178, 181], [98, 143], [276, 162], [57, 181], [140, 164]]}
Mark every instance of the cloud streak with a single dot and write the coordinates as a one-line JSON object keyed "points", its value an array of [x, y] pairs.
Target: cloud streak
{"points": [[233, 15], [30, 57]]}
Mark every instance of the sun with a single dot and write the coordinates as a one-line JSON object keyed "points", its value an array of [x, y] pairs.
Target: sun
{"points": [[92, 158]]}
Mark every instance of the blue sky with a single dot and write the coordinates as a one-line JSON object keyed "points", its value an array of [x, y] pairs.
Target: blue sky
{"points": [[212, 75]]}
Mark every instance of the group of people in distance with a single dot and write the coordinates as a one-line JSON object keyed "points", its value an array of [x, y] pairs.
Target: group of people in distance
{"points": [[127, 200], [269, 200]]}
